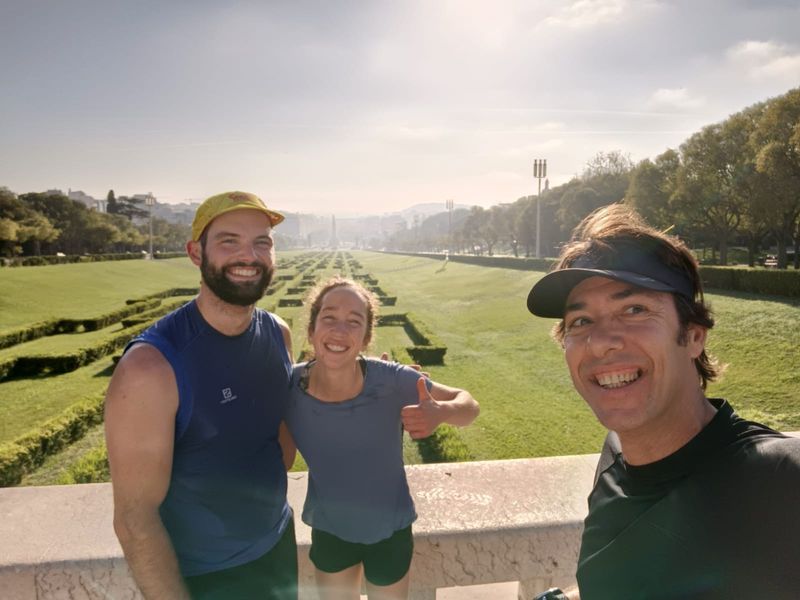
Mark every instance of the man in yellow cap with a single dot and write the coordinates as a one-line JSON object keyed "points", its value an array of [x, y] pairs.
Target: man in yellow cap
{"points": [[194, 425]]}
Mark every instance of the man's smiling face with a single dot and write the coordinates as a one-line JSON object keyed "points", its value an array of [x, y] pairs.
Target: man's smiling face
{"points": [[622, 349]]}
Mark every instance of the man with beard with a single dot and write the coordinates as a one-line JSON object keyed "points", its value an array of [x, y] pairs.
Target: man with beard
{"points": [[196, 443]]}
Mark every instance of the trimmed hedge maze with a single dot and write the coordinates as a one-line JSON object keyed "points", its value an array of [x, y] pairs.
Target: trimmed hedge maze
{"points": [[111, 331]]}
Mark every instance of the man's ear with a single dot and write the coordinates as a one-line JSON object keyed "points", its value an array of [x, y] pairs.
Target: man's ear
{"points": [[696, 339], [195, 252]]}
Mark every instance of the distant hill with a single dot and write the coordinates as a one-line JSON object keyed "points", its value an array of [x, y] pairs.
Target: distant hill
{"points": [[426, 209]]}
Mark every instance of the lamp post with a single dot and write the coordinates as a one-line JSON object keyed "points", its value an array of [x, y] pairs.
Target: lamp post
{"points": [[449, 205], [150, 201], [539, 172]]}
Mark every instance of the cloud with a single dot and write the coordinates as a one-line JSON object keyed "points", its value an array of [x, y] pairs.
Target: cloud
{"points": [[766, 60], [532, 150], [674, 98], [582, 14], [404, 133]]}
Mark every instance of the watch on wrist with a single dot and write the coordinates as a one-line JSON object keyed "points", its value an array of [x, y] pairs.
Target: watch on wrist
{"points": [[551, 594]]}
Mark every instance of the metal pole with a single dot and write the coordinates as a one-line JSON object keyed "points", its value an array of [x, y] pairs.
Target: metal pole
{"points": [[150, 201], [539, 172], [449, 205]]}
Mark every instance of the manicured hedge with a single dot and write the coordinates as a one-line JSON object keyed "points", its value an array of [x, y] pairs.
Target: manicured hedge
{"points": [[27, 453], [165, 294], [29, 366], [37, 261], [755, 281], [427, 348], [32, 332], [507, 262], [92, 468], [151, 315], [444, 445], [290, 302]]}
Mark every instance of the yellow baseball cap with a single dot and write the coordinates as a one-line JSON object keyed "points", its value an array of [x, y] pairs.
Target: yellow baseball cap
{"points": [[214, 206]]}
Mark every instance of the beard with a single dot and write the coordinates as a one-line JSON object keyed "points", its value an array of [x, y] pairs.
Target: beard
{"points": [[239, 294]]}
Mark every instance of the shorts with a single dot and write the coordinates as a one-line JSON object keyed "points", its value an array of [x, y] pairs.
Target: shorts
{"points": [[385, 562], [273, 576]]}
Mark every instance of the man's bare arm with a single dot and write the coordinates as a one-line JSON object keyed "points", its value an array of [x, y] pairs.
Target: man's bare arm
{"points": [[284, 437], [141, 404]]}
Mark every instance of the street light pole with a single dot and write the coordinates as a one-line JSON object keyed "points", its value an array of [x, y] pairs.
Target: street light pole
{"points": [[449, 205], [539, 172], [150, 201]]}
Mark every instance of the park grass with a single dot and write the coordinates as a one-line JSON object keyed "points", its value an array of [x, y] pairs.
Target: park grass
{"points": [[56, 468], [504, 356], [77, 291], [27, 402], [756, 339], [496, 349]]}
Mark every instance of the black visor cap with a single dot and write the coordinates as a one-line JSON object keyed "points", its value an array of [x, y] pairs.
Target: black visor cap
{"points": [[629, 264]]}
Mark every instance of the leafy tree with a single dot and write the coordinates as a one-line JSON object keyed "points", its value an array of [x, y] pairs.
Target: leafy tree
{"points": [[707, 196], [22, 225], [525, 224], [776, 142], [652, 184], [131, 208], [112, 207], [604, 181], [68, 216]]}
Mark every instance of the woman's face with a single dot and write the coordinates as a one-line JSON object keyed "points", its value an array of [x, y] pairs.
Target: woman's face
{"points": [[339, 333]]}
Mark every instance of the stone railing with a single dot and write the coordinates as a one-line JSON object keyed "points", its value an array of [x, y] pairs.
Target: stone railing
{"points": [[479, 523]]}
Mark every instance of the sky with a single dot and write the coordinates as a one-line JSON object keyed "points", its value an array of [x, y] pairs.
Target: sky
{"points": [[365, 106]]}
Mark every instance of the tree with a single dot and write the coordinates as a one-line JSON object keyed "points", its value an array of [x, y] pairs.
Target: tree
{"points": [[131, 208], [112, 207], [22, 225], [68, 216], [651, 186], [604, 181], [525, 225], [707, 196], [776, 142]]}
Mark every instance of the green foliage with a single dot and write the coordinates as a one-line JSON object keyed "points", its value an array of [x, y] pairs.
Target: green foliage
{"points": [[444, 445], [495, 349], [26, 453], [74, 325], [29, 366], [92, 468], [755, 281]]}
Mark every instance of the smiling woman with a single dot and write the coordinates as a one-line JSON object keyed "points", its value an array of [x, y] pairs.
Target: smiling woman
{"points": [[347, 414]]}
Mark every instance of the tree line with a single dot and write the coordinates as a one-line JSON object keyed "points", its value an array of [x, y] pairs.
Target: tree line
{"points": [[35, 223], [734, 183]]}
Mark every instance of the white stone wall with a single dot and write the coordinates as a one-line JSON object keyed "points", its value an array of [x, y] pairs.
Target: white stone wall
{"points": [[479, 523]]}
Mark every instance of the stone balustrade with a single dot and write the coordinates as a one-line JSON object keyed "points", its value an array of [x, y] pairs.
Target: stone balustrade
{"points": [[479, 523]]}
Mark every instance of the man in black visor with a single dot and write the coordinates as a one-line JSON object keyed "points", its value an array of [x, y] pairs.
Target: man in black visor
{"points": [[690, 500]]}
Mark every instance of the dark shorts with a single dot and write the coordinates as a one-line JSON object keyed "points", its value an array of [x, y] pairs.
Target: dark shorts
{"points": [[385, 562], [271, 577]]}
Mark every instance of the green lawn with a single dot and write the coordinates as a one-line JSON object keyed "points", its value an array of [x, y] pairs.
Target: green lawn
{"points": [[76, 291], [496, 349]]}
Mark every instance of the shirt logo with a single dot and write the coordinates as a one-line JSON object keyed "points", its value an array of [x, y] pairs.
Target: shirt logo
{"points": [[227, 396]]}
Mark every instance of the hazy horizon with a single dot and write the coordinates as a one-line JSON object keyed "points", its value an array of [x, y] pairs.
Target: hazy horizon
{"points": [[355, 107]]}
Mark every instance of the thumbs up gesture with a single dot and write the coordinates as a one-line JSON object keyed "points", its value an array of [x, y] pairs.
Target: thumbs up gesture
{"points": [[419, 420]]}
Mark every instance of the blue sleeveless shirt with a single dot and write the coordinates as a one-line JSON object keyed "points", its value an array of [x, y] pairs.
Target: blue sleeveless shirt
{"points": [[226, 503]]}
